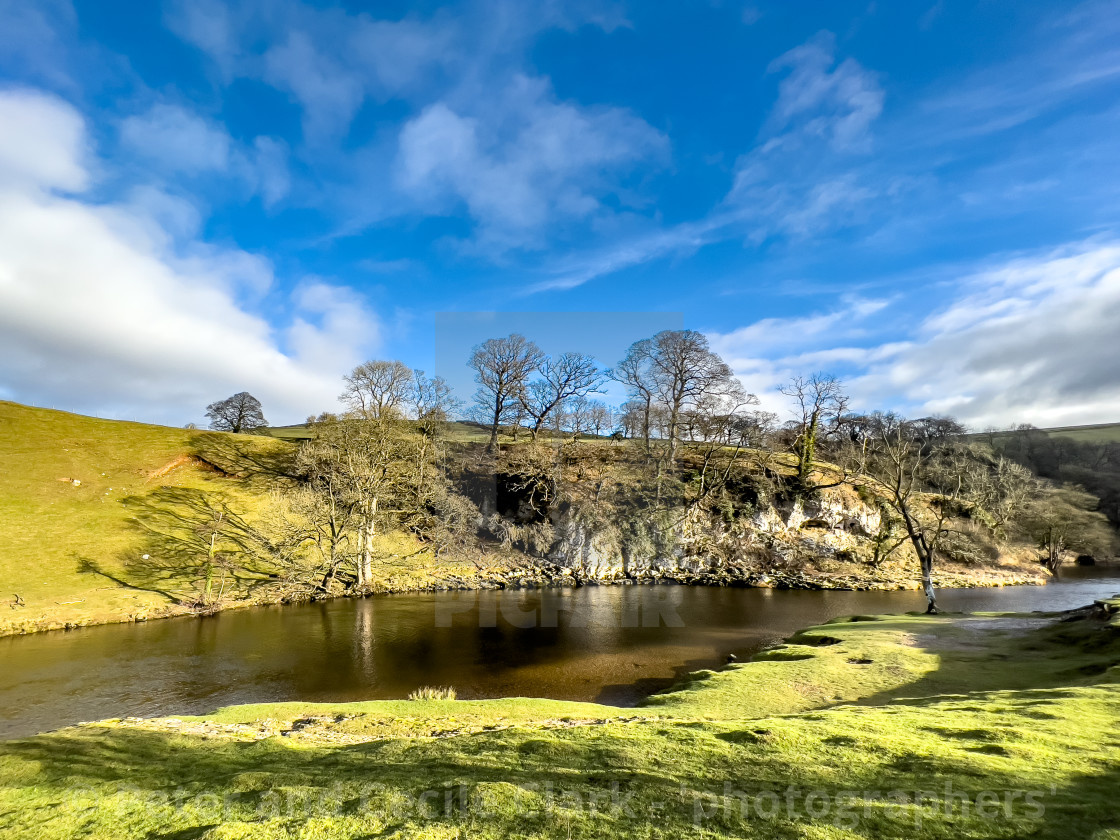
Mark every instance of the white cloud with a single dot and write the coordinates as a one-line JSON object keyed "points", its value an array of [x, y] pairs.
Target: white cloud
{"points": [[818, 99], [1033, 340], [1030, 340], [178, 139], [99, 313], [42, 144], [30, 42], [330, 94], [268, 161], [801, 179], [207, 24], [180, 144], [765, 355], [540, 162]]}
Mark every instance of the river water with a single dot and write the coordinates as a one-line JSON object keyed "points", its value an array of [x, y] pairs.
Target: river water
{"points": [[610, 644]]}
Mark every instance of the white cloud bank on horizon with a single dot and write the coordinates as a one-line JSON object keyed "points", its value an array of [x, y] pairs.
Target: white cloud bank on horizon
{"points": [[99, 312], [1035, 339]]}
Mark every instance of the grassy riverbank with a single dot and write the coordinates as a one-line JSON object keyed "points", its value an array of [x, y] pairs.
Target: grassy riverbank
{"points": [[831, 736]]}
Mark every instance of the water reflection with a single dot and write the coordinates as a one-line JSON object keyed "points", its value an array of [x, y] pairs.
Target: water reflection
{"points": [[609, 644]]}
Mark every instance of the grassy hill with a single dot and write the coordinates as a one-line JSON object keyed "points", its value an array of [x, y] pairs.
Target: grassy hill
{"points": [[71, 488], [1095, 433], [99, 518]]}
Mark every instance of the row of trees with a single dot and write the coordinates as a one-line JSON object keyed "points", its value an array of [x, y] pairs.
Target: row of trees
{"points": [[380, 463]]}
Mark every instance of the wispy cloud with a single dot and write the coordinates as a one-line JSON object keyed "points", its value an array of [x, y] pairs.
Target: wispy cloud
{"points": [[544, 162], [820, 97], [1029, 338], [800, 179]]}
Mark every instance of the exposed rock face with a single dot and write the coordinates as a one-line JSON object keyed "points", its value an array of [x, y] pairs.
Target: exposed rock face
{"points": [[588, 554], [705, 547]]}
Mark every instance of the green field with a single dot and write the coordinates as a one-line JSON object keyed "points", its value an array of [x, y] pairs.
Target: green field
{"points": [[1091, 433], [1097, 433], [882, 727], [69, 488], [97, 516]]}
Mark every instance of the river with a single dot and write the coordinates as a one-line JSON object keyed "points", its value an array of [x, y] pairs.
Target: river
{"points": [[610, 644]]}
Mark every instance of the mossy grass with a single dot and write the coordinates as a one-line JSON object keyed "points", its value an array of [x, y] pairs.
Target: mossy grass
{"points": [[1013, 715]]}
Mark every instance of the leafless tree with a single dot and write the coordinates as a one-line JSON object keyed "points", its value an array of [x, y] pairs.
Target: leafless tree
{"points": [[369, 468], [821, 403], [377, 386], [599, 417], [633, 418], [675, 371], [240, 413], [431, 401], [502, 370], [1062, 519], [633, 372], [898, 459], [718, 428], [568, 377]]}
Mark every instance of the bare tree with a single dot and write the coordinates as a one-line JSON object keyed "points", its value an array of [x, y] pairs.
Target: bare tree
{"points": [[240, 413], [599, 417], [686, 374], [719, 428], [368, 466], [633, 372], [898, 459], [633, 418], [568, 377], [431, 401], [377, 386], [1062, 519], [324, 502], [671, 374], [821, 403], [502, 369]]}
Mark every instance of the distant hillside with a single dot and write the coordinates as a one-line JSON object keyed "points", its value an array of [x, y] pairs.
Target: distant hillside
{"points": [[459, 431], [1090, 433], [1087, 456]]}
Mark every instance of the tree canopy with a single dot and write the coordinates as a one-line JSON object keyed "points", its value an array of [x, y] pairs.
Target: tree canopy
{"points": [[240, 413]]}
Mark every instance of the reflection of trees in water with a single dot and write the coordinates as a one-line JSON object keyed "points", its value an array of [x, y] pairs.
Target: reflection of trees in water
{"points": [[364, 641]]}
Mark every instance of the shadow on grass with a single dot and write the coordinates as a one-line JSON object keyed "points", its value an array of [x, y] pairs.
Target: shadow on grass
{"points": [[1059, 654], [654, 779], [189, 539], [246, 456]]}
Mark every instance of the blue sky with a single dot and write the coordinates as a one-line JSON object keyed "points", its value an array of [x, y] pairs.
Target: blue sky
{"points": [[201, 197]]}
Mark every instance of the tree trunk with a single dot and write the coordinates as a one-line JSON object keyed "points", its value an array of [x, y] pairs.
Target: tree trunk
{"points": [[494, 426], [927, 586], [361, 582], [367, 553], [808, 451], [1055, 545], [646, 423], [925, 556]]}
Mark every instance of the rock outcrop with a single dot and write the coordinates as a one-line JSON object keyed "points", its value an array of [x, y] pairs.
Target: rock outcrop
{"points": [[703, 546]]}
